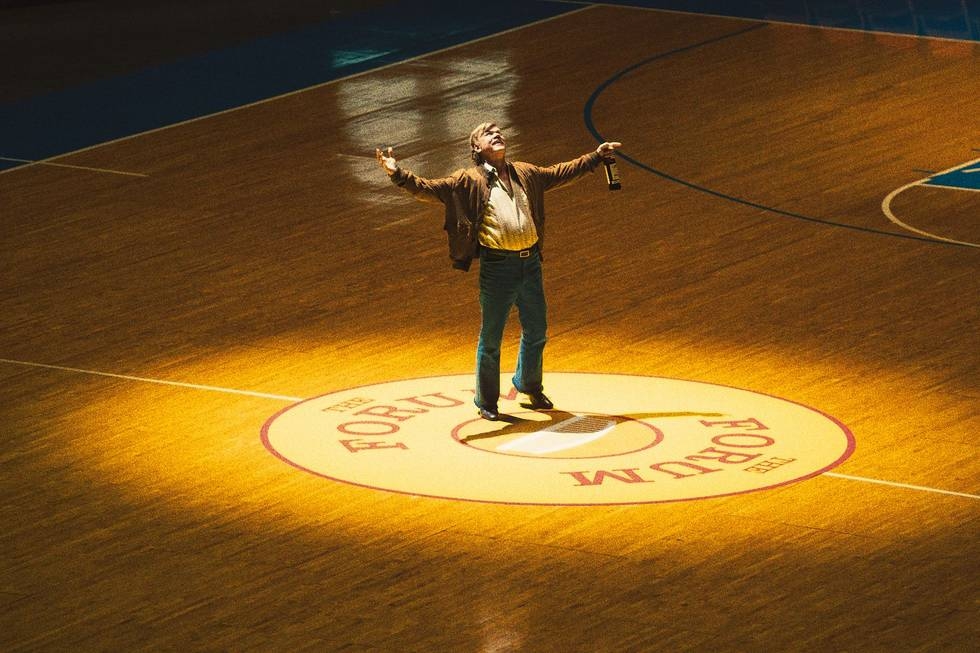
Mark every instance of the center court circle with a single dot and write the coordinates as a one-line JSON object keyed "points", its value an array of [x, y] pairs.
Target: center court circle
{"points": [[612, 439]]}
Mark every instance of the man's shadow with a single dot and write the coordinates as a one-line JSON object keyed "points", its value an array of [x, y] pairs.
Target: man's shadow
{"points": [[557, 418]]}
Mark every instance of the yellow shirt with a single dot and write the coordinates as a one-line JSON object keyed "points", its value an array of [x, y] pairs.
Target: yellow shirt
{"points": [[506, 222]]}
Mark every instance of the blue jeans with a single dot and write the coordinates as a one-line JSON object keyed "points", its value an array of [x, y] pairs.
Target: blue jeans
{"points": [[505, 281]]}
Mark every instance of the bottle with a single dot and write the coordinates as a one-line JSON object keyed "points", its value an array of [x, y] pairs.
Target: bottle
{"points": [[612, 172]]}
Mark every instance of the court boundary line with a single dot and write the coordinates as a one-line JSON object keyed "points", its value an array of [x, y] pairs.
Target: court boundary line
{"points": [[773, 22], [146, 379], [886, 204], [900, 485], [266, 395], [305, 89], [45, 162]]}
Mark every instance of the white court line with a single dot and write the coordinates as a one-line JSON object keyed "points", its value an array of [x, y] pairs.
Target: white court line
{"points": [[47, 162], [886, 207], [265, 395], [969, 190], [179, 384], [902, 485], [296, 92]]}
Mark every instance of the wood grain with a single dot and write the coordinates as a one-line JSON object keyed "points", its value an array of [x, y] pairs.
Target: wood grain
{"points": [[265, 251]]}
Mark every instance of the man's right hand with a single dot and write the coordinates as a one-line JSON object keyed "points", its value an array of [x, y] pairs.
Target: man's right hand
{"points": [[387, 161]]}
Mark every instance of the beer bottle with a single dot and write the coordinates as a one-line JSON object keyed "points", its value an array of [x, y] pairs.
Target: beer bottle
{"points": [[612, 172]]}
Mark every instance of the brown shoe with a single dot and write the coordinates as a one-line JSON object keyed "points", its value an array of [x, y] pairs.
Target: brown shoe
{"points": [[539, 401]]}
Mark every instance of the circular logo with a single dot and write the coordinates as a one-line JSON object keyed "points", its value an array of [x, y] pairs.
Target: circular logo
{"points": [[611, 439]]}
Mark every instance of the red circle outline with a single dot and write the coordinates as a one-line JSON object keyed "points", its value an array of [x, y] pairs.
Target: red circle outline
{"points": [[848, 450]]}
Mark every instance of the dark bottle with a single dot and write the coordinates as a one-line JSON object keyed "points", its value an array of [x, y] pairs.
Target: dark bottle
{"points": [[612, 172]]}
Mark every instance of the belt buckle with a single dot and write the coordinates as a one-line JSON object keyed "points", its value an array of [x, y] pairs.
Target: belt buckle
{"points": [[525, 253]]}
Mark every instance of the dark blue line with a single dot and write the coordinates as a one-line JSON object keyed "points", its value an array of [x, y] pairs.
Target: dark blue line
{"points": [[590, 125]]}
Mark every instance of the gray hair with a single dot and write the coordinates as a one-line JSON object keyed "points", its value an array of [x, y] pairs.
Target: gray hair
{"points": [[475, 138]]}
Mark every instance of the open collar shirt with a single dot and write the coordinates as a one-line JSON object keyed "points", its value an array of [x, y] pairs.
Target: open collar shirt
{"points": [[506, 222]]}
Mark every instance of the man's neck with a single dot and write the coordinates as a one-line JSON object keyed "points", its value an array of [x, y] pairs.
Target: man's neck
{"points": [[500, 165]]}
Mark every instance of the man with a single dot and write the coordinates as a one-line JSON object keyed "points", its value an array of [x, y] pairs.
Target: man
{"points": [[495, 211]]}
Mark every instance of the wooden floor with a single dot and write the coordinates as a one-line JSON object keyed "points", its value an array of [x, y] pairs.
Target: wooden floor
{"points": [[264, 251]]}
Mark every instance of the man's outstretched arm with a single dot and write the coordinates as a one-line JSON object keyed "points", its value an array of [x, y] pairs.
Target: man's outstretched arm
{"points": [[562, 173], [420, 187]]}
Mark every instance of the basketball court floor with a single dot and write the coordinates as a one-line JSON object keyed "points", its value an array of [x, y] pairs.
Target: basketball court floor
{"points": [[237, 365]]}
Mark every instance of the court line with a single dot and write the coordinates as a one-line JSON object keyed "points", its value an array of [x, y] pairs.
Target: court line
{"points": [[265, 395], [787, 23], [295, 92], [144, 379], [969, 190], [590, 125], [887, 202], [901, 485], [46, 162]]}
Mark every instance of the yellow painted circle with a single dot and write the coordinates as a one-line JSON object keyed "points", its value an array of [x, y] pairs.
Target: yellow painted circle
{"points": [[612, 439]]}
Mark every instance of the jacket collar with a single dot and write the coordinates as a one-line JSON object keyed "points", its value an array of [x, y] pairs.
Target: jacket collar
{"points": [[491, 173]]}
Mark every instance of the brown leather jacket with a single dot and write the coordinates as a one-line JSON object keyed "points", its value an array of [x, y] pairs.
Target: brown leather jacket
{"points": [[465, 193]]}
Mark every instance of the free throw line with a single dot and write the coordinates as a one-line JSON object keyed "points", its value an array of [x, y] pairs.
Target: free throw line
{"points": [[266, 395]]}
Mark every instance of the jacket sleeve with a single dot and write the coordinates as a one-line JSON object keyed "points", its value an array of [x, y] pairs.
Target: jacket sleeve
{"points": [[562, 173], [426, 190]]}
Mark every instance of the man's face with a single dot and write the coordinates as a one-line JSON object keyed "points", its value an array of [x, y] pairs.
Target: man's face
{"points": [[491, 143]]}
